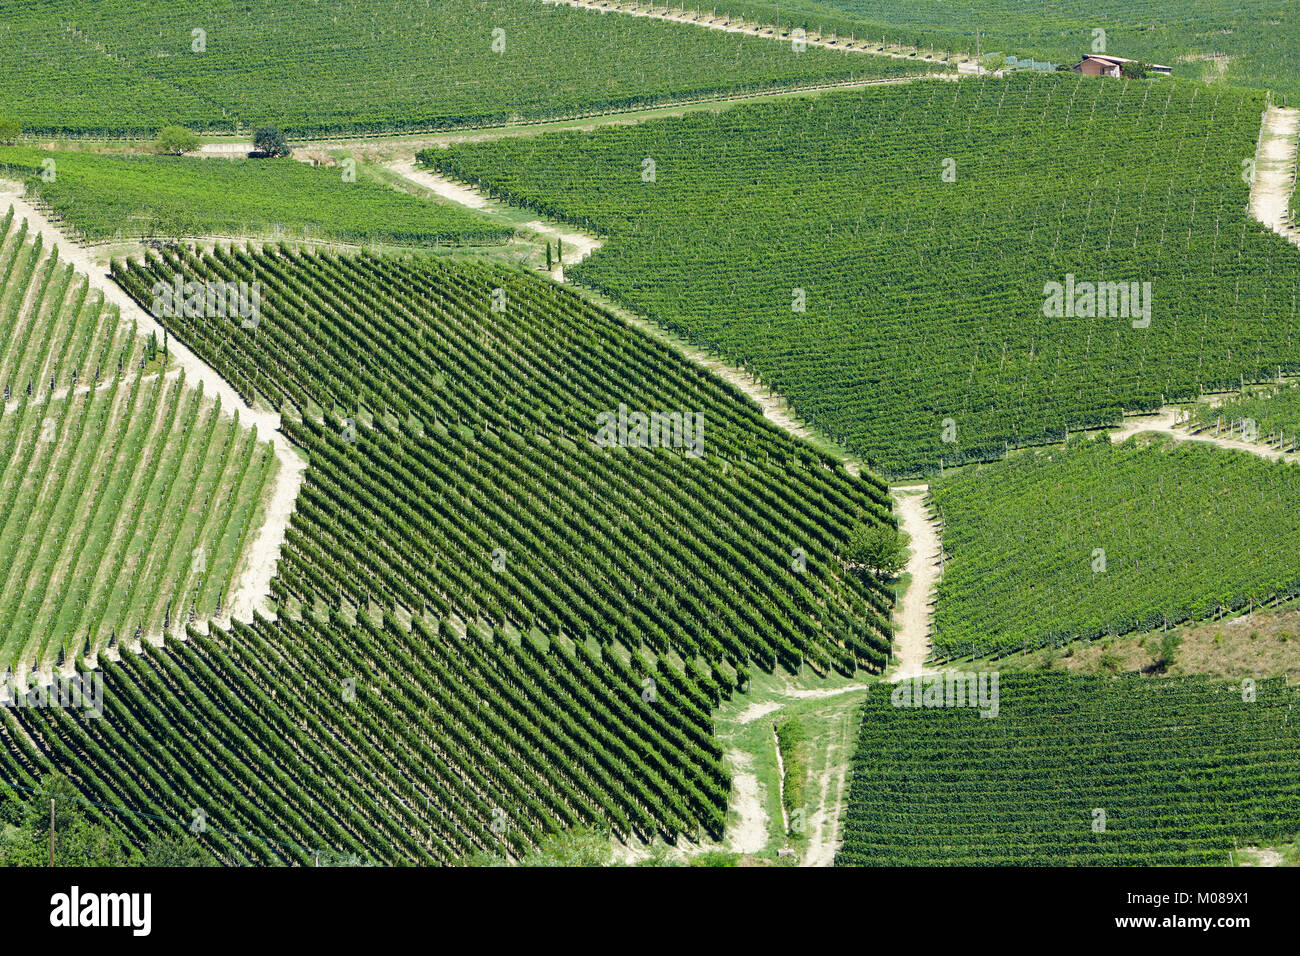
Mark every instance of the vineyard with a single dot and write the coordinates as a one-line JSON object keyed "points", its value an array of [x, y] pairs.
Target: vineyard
{"points": [[450, 413], [397, 744], [1270, 415], [102, 197], [338, 67], [1076, 771], [1246, 42], [1052, 546], [126, 500], [490, 625], [883, 257]]}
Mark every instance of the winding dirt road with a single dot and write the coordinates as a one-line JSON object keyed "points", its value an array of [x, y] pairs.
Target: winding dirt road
{"points": [[1167, 422]]}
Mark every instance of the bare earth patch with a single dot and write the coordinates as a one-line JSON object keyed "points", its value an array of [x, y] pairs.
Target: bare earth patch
{"points": [[1270, 193], [915, 611], [750, 833]]}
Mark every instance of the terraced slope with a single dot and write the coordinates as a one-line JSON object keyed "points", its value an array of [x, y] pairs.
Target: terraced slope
{"points": [[1077, 771], [884, 257], [126, 500]]}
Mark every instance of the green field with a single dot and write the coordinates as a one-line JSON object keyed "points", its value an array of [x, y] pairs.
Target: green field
{"points": [[918, 227], [1269, 414], [501, 627], [386, 340], [1245, 42], [1055, 545], [121, 67], [1076, 771], [126, 500], [102, 197]]}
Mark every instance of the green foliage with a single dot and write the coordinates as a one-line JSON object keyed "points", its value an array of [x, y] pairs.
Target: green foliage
{"points": [[124, 501], [923, 342], [183, 849], [544, 444], [1056, 545], [878, 547], [1269, 415], [80, 838], [1183, 769], [714, 858], [10, 130], [1248, 42], [792, 738], [177, 140], [118, 67], [572, 848], [1169, 645], [479, 743], [269, 141], [102, 197], [1136, 70]]}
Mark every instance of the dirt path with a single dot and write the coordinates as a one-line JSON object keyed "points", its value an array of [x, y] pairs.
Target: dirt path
{"points": [[225, 149], [1167, 422], [252, 587], [729, 25], [1260, 857], [780, 781], [774, 406], [914, 612], [576, 245], [413, 142], [750, 833], [824, 822], [1275, 165], [757, 711]]}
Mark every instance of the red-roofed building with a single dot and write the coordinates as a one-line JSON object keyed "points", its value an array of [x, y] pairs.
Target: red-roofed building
{"points": [[1097, 64]]}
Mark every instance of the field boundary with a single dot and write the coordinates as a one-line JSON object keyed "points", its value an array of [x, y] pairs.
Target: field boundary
{"points": [[914, 613], [774, 406], [729, 24], [251, 591], [1274, 180], [1169, 421], [342, 138]]}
